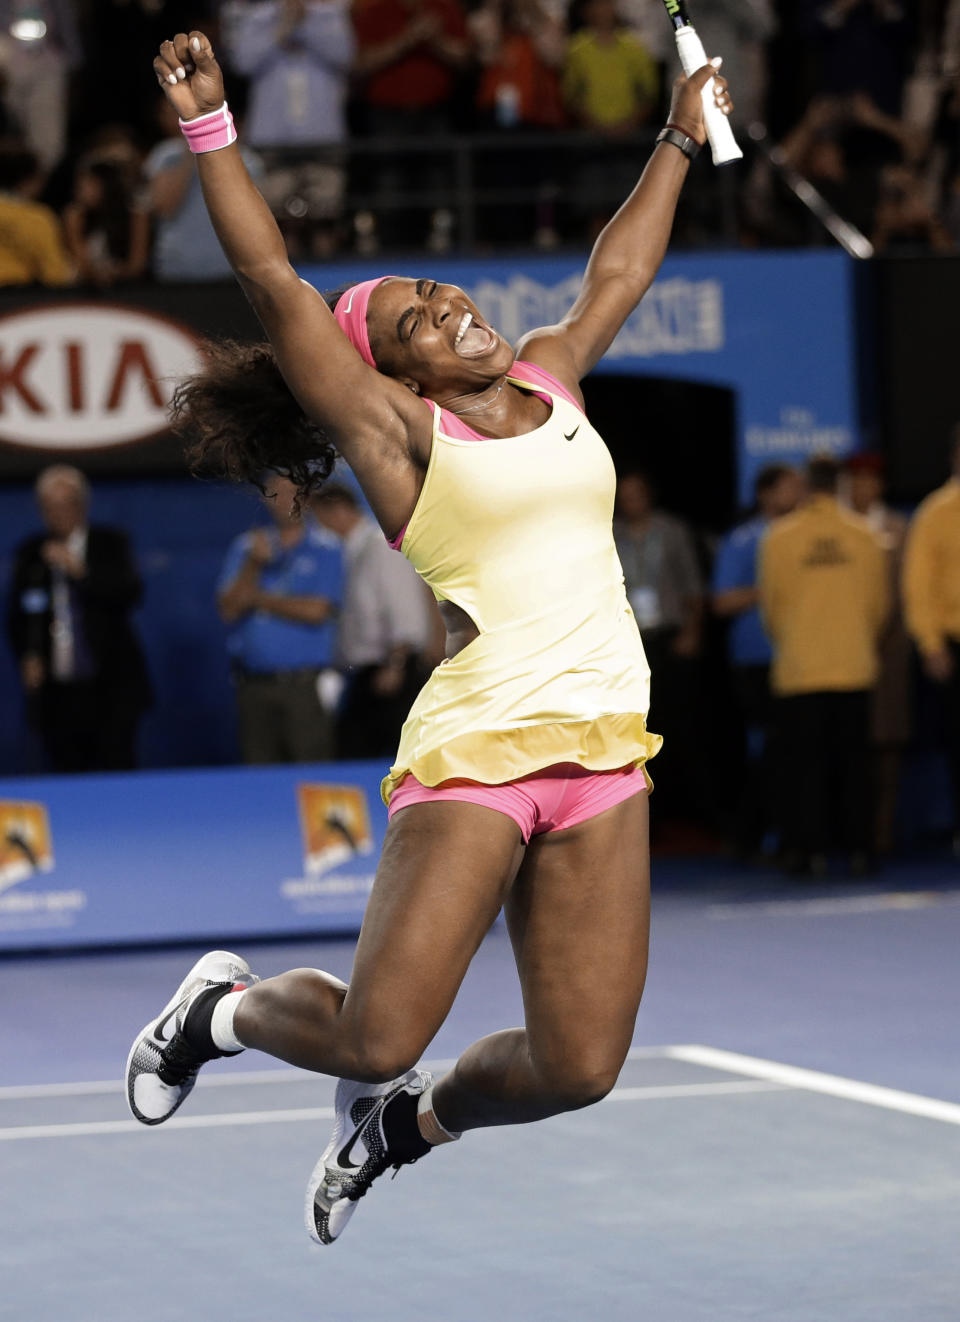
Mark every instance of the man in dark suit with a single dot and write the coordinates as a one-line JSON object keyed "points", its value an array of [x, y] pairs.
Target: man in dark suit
{"points": [[81, 665]]}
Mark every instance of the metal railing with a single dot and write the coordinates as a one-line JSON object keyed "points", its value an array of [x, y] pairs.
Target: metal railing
{"points": [[493, 183]]}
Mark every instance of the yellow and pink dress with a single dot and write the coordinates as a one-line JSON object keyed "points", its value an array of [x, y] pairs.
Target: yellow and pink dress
{"points": [[517, 532]]}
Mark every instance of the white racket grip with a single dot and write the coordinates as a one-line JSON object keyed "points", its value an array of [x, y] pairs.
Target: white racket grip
{"points": [[722, 142]]}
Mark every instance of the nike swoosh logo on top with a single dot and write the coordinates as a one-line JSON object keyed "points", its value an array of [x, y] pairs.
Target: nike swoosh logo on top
{"points": [[572, 434], [343, 1156], [158, 1031]]}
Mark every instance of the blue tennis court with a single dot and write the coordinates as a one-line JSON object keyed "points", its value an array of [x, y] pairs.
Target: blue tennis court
{"points": [[784, 1141]]}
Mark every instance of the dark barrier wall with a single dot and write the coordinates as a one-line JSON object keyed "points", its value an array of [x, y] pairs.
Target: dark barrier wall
{"points": [[917, 352]]}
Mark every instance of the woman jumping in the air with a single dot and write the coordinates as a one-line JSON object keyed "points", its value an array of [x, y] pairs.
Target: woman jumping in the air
{"points": [[519, 780]]}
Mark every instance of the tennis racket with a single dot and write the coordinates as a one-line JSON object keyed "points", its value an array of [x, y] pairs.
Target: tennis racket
{"points": [[693, 57]]}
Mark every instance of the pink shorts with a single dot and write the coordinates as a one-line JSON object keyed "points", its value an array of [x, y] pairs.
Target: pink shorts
{"points": [[550, 800]]}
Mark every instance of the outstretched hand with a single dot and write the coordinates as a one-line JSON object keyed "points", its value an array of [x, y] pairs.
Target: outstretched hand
{"points": [[686, 104], [189, 74]]}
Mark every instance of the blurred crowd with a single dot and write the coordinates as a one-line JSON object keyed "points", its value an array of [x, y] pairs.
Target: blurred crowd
{"points": [[347, 109], [789, 657], [330, 634]]}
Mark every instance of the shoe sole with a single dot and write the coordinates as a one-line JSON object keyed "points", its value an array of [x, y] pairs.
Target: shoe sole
{"points": [[146, 1034], [347, 1094]]}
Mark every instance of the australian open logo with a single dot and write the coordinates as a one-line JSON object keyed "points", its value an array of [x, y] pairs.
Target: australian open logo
{"points": [[25, 843], [26, 852], [336, 834]]}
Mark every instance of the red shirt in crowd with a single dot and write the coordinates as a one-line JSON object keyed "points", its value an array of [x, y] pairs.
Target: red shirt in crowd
{"points": [[535, 84], [420, 77]]}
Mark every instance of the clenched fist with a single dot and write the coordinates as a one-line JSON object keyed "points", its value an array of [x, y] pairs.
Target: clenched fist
{"points": [[189, 74]]}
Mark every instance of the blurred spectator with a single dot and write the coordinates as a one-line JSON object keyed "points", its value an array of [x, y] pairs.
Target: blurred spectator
{"points": [[931, 599], [610, 80], [385, 629], [891, 716], [644, 18], [118, 144], [611, 86], [107, 232], [951, 39], [842, 145], [777, 490], [409, 53], [824, 597], [297, 55], [866, 48], [185, 245], [520, 49], [279, 594], [738, 30], [904, 220], [32, 250], [666, 591], [944, 160], [660, 568], [81, 665], [39, 45]]}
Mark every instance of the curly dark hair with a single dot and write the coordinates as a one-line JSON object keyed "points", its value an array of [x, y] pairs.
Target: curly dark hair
{"points": [[240, 420]]}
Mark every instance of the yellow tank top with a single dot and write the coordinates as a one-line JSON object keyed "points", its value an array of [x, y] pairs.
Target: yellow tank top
{"points": [[517, 532]]}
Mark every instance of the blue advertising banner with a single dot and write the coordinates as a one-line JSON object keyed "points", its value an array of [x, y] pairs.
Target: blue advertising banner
{"points": [[777, 328], [167, 856]]}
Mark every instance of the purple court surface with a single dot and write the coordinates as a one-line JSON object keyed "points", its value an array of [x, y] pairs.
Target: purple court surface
{"points": [[783, 1144]]}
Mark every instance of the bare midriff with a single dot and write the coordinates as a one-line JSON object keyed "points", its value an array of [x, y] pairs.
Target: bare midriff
{"points": [[461, 630]]}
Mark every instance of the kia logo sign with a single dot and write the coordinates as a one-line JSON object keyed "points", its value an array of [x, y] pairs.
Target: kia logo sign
{"points": [[79, 376]]}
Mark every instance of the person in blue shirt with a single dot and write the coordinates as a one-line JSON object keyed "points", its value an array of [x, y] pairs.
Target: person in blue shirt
{"points": [[279, 594], [184, 246], [777, 491]]}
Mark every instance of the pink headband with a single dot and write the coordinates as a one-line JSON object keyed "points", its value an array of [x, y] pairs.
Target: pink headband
{"points": [[351, 315]]}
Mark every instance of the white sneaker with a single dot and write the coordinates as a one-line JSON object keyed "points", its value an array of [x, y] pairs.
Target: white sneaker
{"points": [[162, 1066], [376, 1127]]}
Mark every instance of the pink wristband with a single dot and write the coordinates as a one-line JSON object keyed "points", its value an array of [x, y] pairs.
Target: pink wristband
{"points": [[209, 132]]}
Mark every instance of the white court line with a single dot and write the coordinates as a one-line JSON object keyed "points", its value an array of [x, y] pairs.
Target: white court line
{"points": [[827, 906], [236, 1078], [642, 1094], [228, 1118], [833, 1085]]}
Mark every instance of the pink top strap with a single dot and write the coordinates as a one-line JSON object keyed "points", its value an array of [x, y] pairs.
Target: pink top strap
{"points": [[533, 375]]}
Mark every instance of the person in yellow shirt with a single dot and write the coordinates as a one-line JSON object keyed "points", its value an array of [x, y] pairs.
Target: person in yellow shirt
{"points": [[610, 81], [32, 250], [610, 86], [931, 598], [824, 596]]}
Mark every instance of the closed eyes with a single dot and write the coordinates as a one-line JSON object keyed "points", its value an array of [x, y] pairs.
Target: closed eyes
{"points": [[404, 319]]}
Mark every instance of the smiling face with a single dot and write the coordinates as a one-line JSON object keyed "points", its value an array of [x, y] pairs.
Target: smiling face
{"points": [[431, 337]]}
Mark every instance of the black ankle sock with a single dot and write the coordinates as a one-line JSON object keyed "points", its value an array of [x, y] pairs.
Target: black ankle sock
{"points": [[196, 1025], [400, 1128]]}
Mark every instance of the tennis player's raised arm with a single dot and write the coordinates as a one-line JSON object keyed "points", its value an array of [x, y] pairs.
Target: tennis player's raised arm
{"points": [[630, 249], [369, 418]]}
